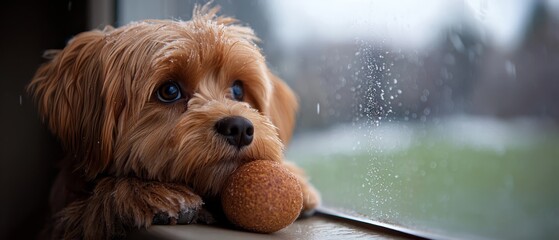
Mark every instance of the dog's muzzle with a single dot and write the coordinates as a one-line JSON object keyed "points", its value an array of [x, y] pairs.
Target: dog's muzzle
{"points": [[238, 131]]}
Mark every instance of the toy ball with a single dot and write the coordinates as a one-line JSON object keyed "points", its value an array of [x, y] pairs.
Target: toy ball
{"points": [[262, 196]]}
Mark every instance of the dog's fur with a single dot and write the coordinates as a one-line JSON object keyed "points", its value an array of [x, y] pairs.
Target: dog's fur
{"points": [[130, 156]]}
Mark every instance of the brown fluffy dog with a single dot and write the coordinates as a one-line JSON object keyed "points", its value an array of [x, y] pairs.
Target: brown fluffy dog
{"points": [[154, 117]]}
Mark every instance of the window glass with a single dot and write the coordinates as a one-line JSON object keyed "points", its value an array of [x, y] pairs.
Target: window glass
{"points": [[438, 116]]}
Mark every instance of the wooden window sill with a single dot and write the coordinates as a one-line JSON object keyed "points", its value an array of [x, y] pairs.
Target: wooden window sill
{"points": [[320, 226]]}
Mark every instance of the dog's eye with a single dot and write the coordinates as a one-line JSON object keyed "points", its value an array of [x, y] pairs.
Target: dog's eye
{"points": [[169, 92], [237, 90]]}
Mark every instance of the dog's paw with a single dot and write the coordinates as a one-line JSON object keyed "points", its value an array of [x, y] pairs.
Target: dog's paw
{"points": [[184, 216], [173, 204], [140, 203], [311, 200], [311, 197]]}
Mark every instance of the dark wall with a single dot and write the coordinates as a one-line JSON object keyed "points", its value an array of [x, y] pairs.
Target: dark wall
{"points": [[27, 151]]}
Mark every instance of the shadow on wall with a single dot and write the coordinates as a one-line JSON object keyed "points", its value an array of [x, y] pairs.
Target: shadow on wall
{"points": [[27, 150]]}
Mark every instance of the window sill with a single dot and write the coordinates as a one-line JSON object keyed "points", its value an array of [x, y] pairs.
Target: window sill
{"points": [[320, 226]]}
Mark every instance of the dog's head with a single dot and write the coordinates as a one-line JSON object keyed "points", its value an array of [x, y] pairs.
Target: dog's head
{"points": [[184, 101]]}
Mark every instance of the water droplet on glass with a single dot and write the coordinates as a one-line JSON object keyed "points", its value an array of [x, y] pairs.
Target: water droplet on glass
{"points": [[426, 111], [433, 165], [510, 67], [457, 42]]}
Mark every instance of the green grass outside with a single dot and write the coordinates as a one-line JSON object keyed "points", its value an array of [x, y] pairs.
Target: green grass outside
{"points": [[457, 191]]}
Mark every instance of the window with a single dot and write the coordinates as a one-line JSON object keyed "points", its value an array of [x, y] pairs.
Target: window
{"points": [[436, 116]]}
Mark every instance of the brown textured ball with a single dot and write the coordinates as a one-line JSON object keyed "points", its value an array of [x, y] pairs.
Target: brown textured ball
{"points": [[262, 196]]}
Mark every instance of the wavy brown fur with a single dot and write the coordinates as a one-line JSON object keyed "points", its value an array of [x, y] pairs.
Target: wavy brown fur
{"points": [[129, 155]]}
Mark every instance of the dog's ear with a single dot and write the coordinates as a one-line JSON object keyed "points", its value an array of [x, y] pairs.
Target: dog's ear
{"points": [[283, 108], [69, 94]]}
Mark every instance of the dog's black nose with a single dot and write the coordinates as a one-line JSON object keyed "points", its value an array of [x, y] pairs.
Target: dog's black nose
{"points": [[237, 130]]}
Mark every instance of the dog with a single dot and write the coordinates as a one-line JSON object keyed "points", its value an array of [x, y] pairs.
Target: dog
{"points": [[154, 116]]}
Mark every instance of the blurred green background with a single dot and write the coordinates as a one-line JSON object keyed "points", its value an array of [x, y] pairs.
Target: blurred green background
{"points": [[458, 178]]}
